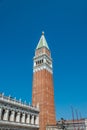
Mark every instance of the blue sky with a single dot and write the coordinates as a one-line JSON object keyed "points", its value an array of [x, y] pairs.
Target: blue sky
{"points": [[65, 25]]}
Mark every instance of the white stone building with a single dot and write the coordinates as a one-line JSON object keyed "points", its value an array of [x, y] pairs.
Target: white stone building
{"points": [[80, 124], [15, 115]]}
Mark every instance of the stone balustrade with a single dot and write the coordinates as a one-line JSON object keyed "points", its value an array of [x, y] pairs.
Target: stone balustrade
{"points": [[13, 101], [18, 117], [18, 114]]}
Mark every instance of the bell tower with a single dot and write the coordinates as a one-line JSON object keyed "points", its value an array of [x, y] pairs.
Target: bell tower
{"points": [[43, 90]]}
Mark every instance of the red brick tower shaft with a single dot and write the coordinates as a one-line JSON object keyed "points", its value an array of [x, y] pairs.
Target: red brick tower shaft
{"points": [[43, 91]]}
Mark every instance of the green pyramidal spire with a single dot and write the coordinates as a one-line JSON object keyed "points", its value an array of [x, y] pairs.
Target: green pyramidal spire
{"points": [[42, 42]]}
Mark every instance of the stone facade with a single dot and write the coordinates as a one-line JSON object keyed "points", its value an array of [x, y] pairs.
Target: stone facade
{"points": [[17, 115], [43, 91], [69, 125]]}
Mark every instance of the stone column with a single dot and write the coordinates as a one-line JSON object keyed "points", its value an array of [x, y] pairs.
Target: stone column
{"points": [[12, 115], [23, 118], [37, 120], [18, 117], [28, 119], [32, 119], [6, 114], [0, 113], [86, 123]]}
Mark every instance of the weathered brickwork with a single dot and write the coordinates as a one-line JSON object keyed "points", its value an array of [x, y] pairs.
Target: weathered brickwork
{"points": [[43, 94]]}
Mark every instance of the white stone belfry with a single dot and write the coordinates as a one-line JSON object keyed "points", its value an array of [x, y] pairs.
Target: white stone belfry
{"points": [[42, 58]]}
